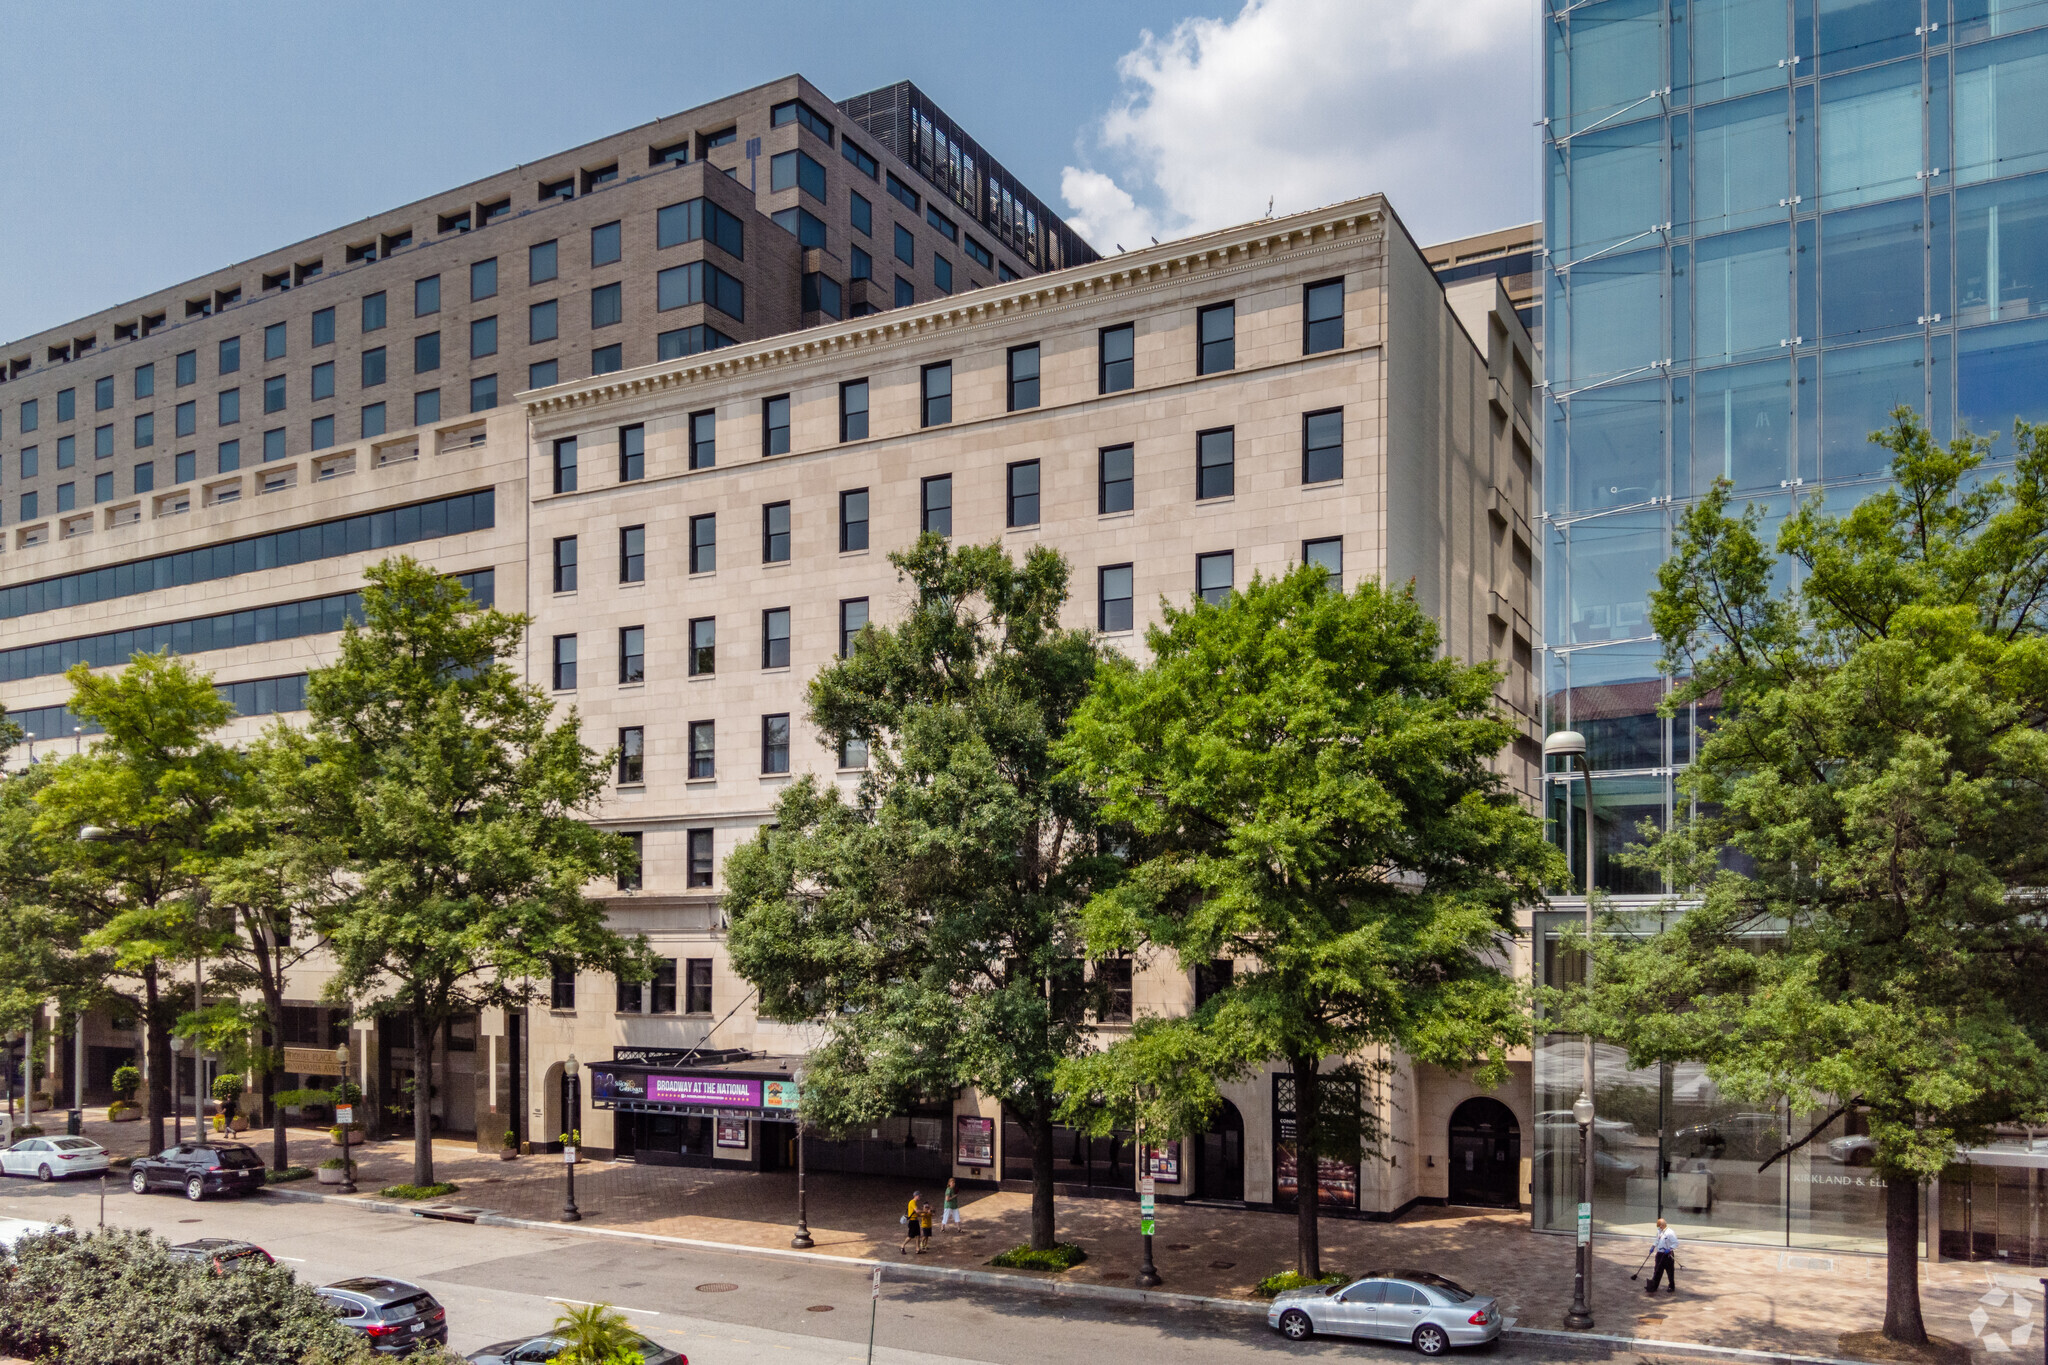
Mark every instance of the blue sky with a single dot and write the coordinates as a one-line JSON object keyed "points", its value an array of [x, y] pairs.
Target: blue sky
{"points": [[148, 143]]}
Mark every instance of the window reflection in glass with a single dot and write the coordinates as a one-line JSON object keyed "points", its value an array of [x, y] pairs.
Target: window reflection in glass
{"points": [[1738, 46], [2002, 108], [1870, 135], [1742, 170], [1871, 271], [1617, 446], [1612, 186], [1741, 427], [1616, 57], [1611, 563], [2002, 251], [1859, 388], [1615, 314], [1742, 293]]}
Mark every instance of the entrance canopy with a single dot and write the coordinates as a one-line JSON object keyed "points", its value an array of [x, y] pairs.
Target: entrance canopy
{"points": [[761, 1087]]}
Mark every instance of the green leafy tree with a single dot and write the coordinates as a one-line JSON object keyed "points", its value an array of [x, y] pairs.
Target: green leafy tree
{"points": [[596, 1334], [1308, 787], [1879, 764], [451, 805], [930, 925]]}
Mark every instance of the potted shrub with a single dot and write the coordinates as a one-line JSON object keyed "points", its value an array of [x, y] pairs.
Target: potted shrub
{"points": [[509, 1147], [329, 1172], [227, 1092], [125, 1081]]}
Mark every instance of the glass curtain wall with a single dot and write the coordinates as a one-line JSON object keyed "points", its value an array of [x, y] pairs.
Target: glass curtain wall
{"points": [[1768, 222]]}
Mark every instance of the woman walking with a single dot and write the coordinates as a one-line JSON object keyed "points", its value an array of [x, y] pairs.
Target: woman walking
{"points": [[949, 1209]]}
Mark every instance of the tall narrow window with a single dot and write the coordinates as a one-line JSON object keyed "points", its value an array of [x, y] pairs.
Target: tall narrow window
{"points": [[662, 989], [775, 533], [565, 465], [906, 245], [703, 749], [937, 504], [543, 321], [188, 368], [937, 393], [565, 663], [1213, 574], [1113, 593], [1114, 977], [853, 618], [186, 418], [562, 987], [145, 381], [1216, 326], [607, 305], [1322, 312], [704, 542], [540, 262], [373, 367], [906, 292], [483, 279], [373, 311], [274, 341], [1329, 555], [697, 998], [632, 453], [1116, 368], [426, 296], [632, 554], [853, 753], [230, 355], [853, 410], [632, 654], [1114, 479], [565, 563], [853, 519], [323, 381], [1023, 377], [775, 638], [1023, 494], [483, 338], [1322, 446], [274, 393], [632, 755], [700, 875], [703, 646], [775, 743], [604, 244], [629, 875], [703, 440], [775, 425], [426, 353], [1216, 463]]}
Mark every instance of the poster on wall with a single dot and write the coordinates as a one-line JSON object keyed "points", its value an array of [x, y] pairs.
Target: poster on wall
{"points": [[732, 1132], [1337, 1184], [1162, 1162], [974, 1141]]}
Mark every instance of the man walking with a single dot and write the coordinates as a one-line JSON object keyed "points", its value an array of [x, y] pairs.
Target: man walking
{"points": [[1667, 1258]]}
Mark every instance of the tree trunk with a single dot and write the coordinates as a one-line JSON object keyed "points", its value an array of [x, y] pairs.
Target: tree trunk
{"points": [[1308, 1247], [272, 981], [157, 1044], [423, 1032], [1902, 1321], [1043, 1232]]}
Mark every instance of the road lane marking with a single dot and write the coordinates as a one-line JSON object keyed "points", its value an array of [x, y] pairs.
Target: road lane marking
{"points": [[586, 1303]]}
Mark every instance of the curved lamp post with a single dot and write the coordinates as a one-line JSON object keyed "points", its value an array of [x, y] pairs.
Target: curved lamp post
{"points": [[1571, 745], [573, 1104]]}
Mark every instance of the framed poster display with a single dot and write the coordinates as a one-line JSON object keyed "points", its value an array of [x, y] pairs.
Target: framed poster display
{"points": [[1162, 1162], [732, 1132], [974, 1141]]}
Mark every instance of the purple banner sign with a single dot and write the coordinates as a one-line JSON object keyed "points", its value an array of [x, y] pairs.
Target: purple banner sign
{"points": [[704, 1090]]}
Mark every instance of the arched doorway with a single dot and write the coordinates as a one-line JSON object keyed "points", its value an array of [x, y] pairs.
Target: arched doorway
{"points": [[1219, 1160], [1486, 1154]]}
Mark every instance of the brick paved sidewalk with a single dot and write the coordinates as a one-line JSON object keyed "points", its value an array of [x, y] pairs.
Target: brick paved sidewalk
{"points": [[1755, 1298]]}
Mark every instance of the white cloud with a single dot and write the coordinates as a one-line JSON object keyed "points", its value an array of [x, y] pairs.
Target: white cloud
{"points": [[1309, 102]]}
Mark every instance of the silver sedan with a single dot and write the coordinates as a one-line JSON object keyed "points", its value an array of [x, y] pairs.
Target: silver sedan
{"points": [[1427, 1310]]}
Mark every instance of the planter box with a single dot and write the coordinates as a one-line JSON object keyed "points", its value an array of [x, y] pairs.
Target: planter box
{"points": [[127, 1116], [328, 1176]]}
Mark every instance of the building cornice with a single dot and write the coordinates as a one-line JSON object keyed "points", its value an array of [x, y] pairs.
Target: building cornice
{"points": [[1227, 250]]}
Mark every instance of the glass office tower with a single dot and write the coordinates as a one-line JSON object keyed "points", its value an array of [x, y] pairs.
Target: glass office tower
{"points": [[1768, 223]]}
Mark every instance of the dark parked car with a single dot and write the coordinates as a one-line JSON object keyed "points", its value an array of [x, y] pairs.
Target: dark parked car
{"points": [[527, 1350], [395, 1317], [199, 1169], [222, 1253]]}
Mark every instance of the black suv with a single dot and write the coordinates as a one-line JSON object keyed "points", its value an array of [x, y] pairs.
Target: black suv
{"points": [[199, 1169], [394, 1316], [223, 1254]]}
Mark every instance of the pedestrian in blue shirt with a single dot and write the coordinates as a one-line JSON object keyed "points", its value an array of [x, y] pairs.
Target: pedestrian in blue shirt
{"points": [[1667, 1258]]}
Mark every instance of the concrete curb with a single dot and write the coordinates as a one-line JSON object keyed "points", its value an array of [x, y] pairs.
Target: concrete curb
{"points": [[1021, 1281]]}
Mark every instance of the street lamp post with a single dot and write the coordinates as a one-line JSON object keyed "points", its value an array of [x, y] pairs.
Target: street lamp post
{"points": [[177, 1110], [802, 1241], [1570, 744], [573, 1104], [1148, 1273], [348, 1170]]}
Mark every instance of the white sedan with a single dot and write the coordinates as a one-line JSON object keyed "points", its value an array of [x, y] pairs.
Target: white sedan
{"points": [[53, 1158]]}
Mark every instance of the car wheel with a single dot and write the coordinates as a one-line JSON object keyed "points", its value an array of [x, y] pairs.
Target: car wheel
{"points": [[195, 1189], [1295, 1325], [138, 1181], [1430, 1340], [45, 1174]]}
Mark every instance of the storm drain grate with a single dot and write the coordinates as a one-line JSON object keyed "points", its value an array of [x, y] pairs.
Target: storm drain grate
{"points": [[1788, 1261]]}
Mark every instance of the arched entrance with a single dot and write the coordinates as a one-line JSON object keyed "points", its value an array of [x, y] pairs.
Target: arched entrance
{"points": [[1219, 1160], [1486, 1154]]}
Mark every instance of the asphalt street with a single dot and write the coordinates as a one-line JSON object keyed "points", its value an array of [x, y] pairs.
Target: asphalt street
{"points": [[718, 1308]]}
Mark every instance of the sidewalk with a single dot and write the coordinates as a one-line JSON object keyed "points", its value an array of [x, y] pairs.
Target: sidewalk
{"points": [[1753, 1298]]}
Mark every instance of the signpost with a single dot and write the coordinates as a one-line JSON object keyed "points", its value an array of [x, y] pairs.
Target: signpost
{"points": [[874, 1306], [1585, 1224], [1148, 1274]]}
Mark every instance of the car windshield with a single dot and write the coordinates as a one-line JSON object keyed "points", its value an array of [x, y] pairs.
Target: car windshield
{"points": [[239, 1158]]}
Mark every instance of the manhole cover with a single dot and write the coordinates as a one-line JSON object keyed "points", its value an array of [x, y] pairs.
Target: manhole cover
{"points": [[719, 1287], [1179, 1246], [819, 1308], [1223, 1265]]}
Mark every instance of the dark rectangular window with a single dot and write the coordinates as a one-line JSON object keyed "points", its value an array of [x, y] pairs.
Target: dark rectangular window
{"points": [[1322, 446], [632, 755], [565, 563], [607, 359], [1023, 377], [103, 441], [698, 998], [775, 425], [67, 496], [630, 993], [185, 418], [565, 663], [323, 327], [145, 477], [1216, 463], [426, 353], [936, 394], [28, 507], [632, 453], [632, 554], [676, 152], [274, 341], [274, 393], [700, 282], [700, 220], [862, 162], [565, 465], [944, 224], [607, 306], [863, 214], [230, 355], [942, 273], [543, 321], [906, 245], [483, 338], [902, 193], [853, 618], [562, 987], [863, 267], [853, 519], [699, 843], [682, 341], [1113, 592], [185, 466], [775, 743], [1115, 479], [30, 465], [483, 280], [775, 533], [979, 254], [1329, 555], [542, 374], [1213, 979], [703, 748], [273, 444], [797, 112], [1322, 312], [323, 381], [426, 407], [775, 638], [1115, 347], [373, 311], [604, 244], [67, 403], [906, 292], [230, 407], [1213, 574], [483, 393], [103, 392], [323, 433], [145, 430], [228, 458], [704, 542], [936, 505], [853, 410], [703, 647], [822, 294], [426, 296], [145, 381], [1114, 979], [796, 171], [703, 440], [1022, 499], [373, 367], [629, 880], [541, 262], [187, 364], [632, 654], [372, 420], [1216, 328]]}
